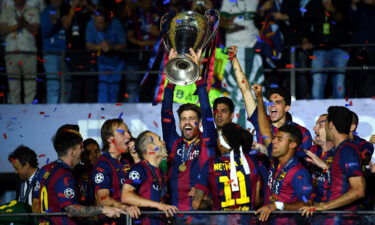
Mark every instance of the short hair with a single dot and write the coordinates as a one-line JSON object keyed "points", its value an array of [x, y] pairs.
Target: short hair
{"points": [[341, 117], [355, 118], [141, 143], [224, 100], [89, 141], [24, 155], [294, 133], [107, 131], [187, 107], [237, 137], [283, 93], [65, 139]]}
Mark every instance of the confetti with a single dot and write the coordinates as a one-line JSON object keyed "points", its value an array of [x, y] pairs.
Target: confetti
{"points": [[35, 101], [303, 10], [47, 161], [273, 85], [89, 116], [289, 66], [39, 80], [166, 2], [100, 169], [155, 124], [258, 50], [118, 104], [41, 113], [40, 59], [120, 116], [5, 136], [166, 120], [126, 95], [1, 94], [157, 149], [178, 21], [253, 152], [41, 155], [52, 12], [67, 59]]}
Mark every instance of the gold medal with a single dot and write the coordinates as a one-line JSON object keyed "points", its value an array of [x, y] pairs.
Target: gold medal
{"points": [[182, 167]]}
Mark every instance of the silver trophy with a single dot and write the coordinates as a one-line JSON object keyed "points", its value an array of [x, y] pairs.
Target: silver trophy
{"points": [[187, 30]]}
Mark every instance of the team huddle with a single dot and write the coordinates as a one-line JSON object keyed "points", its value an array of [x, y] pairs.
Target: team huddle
{"points": [[219, 168]]}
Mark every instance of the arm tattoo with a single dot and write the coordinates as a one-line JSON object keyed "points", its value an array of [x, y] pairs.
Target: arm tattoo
{"points": [[83, 211]]}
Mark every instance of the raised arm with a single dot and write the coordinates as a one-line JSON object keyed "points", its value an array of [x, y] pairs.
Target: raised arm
{"points": [[242, 81], [167, 119], [263, 120]]}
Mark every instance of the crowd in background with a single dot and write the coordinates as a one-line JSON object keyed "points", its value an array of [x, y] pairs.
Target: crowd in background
{"points": [[115, 39]]}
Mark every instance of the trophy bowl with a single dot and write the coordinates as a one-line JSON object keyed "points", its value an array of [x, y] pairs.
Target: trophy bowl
{"points": [[187, 30]]}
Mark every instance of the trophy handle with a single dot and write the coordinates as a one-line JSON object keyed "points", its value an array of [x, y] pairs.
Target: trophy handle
{"points": [[164, 25], [213, 19]]}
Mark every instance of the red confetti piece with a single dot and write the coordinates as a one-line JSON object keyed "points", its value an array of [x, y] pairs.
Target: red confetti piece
{"points": [[156, 124], [100, 169], [41, 113], [166, 120], [126, 95], [77, 9], [204, 60], [289, 66], [258, 50], [118, 1], [89, 116], [312, 57], [5, 136], [20, 63], [351, 103], [1, 94], [82, 198], [346, 99], [40, 59], [225, 85], [189, 219], [102, 117], [118, 104], [42, 155]]}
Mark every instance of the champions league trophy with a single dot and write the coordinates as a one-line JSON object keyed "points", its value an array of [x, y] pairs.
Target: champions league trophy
{"points": [[187, 30]]}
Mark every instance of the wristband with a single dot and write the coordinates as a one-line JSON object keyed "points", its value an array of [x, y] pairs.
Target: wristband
{"points": [[279, 205]]}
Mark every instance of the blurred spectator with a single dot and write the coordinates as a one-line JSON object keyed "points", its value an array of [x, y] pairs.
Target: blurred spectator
{"points": [[361, 83], [54, 44], [327, 27], [19, 24], [38, 4], [142, 30], [106, 36], [280, 25], [237, 21], [74, 20]]}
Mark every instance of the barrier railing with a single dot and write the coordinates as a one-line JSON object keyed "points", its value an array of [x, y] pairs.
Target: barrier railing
{"points": [[199, 217], [292, 70]]}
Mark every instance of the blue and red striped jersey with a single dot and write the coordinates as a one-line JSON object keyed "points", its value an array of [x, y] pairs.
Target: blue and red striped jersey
{"points": [[214, 179], [288, 183], [108, 173], [181, 182], [322, 179], [150, 183], [346, 163], [365, 148], [55, 189]]}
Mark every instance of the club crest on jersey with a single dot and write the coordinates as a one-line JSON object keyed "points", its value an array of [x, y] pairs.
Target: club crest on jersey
{"points": [[69, 193], [156, 187], [134, 175], [99, 177], [37, 186]]}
